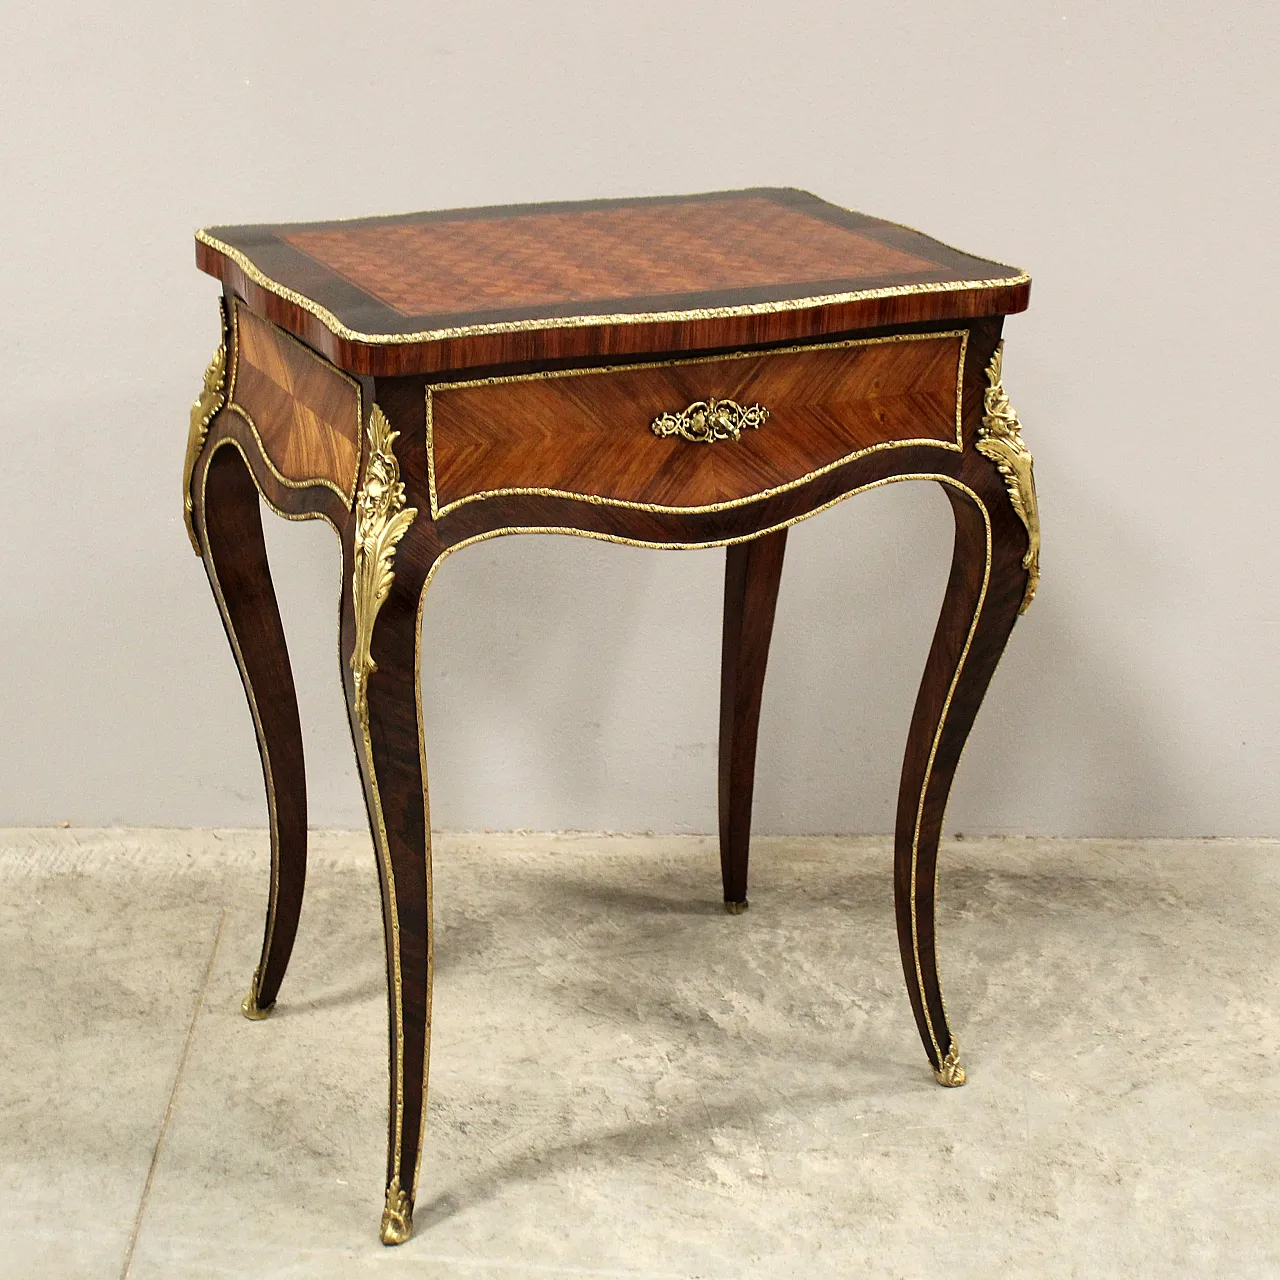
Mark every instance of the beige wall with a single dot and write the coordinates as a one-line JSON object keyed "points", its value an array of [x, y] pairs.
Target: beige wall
{"points": [[1124, 153]]}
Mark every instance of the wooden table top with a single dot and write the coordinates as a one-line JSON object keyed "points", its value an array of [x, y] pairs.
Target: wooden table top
{"points": [[462, 288]]}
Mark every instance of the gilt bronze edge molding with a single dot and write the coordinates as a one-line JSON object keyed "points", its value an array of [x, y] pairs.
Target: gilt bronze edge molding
{"points": [[433, 389], [316, 482], [348, 495], [272, 506], [381, 521], [335, 326]]}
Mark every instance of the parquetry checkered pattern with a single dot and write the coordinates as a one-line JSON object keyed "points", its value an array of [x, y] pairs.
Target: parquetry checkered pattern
{"points": [[530, 260]]}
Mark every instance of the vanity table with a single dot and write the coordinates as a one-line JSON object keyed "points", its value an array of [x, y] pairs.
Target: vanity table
{"points": [[683, 372]]}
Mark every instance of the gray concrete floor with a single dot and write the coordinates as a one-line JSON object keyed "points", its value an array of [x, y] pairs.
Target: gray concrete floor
{"points": [[626, 1082]]}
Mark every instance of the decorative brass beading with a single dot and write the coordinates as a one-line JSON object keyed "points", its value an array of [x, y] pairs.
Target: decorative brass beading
{"points": [[950, 1074], [957, 445], [397, 1216], [706, 421], [381, 521], [212, 398], [251, 271], [1000, 439], [347, 495]]}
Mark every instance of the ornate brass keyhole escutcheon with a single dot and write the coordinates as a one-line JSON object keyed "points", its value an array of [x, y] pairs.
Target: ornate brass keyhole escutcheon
{"points": [[706, 421]]}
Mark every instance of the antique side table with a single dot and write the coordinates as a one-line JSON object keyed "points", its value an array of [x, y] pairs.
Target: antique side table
{"points": [[687, 372]]}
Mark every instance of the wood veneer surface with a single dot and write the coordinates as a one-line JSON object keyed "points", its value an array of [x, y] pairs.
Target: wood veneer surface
{"points": [[454, 289], [534, 260], [590, 433], [307, 414]]}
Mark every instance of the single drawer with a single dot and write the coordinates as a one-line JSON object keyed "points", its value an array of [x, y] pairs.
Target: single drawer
{"points": [[698, 434]]}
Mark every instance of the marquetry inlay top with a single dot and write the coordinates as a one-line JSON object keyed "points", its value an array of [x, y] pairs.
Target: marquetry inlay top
{"points": [[603, 256], [597, 276]]}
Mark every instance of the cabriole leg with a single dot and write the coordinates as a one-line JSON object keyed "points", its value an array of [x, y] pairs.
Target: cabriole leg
{"points": [[753, 571], [380, 631], [228, 528], [993, 575]]}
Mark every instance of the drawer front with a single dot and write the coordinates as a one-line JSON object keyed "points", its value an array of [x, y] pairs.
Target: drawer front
{"points": [[591, 434]]}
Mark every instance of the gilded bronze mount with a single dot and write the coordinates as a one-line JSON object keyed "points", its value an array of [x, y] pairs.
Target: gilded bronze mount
{"points": [[706, 421], [1000, 439], [397, 1215], [250, 1007], [949, 1073], [213, 395], [382, 520]]}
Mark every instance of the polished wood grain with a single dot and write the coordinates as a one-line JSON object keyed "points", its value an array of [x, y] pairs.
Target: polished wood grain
{"points": [[591, 433], [229, 527], [977, 613], [593, 255], [753, 573], [984, 592], [597, 279], [306, 413], [393, 772]]}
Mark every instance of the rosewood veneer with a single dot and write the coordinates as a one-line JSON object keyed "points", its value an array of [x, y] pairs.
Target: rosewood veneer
{"points": [[679, 372]]}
